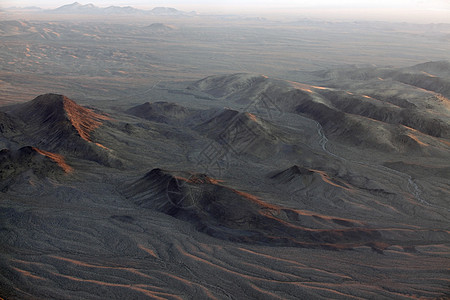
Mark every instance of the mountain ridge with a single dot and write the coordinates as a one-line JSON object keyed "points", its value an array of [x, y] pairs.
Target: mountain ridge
{"points": [[345, 115], [91, 9]]}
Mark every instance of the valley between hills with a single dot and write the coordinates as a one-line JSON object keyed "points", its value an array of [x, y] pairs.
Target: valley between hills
{"points": [[240, 184]]}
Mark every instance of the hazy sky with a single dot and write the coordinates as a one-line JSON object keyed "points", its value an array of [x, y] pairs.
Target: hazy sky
{"points": [[431, 10]]}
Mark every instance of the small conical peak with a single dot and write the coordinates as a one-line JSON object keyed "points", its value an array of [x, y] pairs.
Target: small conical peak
{"points": [[291, 173], [49, 99], [72, 5], [58, 107], [299, 170], [228, 113]]}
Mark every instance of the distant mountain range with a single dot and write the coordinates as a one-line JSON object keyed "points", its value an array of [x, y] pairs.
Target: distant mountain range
{"points": [[91, 9]]}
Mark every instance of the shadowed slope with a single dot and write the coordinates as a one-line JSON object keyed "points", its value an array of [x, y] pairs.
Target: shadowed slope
{"points": [[375, 109], [356, 119], [172, 113], [161, 112], [41, 163], [7, 124]]}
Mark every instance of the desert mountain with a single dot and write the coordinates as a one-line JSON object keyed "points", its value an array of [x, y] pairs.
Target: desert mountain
{"points": [[7, 124], [230, 214], [76, 7], [91, 9], [162, 112], [159, 27], [57, 124], [386, 123], [386, 112], [173, 114], [244, 133], [431, 76], [59, 119], [247, 88], [121, 10], [433, 68], [305, 178], [166, 11]]}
